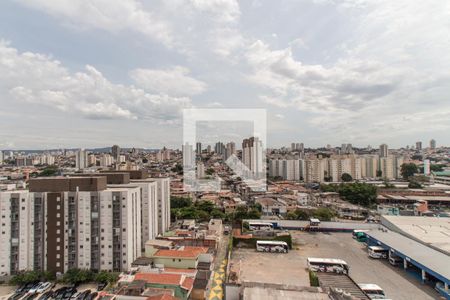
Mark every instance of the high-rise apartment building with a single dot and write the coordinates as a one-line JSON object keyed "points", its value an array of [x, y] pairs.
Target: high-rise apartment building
{"points": [[2, 157], [188, 156], [253, 156], [115, 152], [81, 159], [63, 223], [230, 149], [419, 146], [384, 151], [433, 144], [198, 148], [95, 221]]}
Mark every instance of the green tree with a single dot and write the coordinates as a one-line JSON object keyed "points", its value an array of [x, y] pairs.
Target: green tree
{"points": [[77, 276], [205, 205], [26, 277], [359, 193], [180, 202], [217, 214], [209, 171], [379, 173], [414, 184], [49, 171], [253, 214], [106, 277], [408, 170], [323, 214], [346, 177], [302, 214]]}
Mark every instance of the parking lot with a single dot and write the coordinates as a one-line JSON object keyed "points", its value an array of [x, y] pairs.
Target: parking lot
{"points": [[291, 268], [11, 293], [396, 283], [279, 268]]}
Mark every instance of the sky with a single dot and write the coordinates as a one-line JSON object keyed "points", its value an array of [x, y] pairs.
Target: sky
{"points": [[102, 72]]}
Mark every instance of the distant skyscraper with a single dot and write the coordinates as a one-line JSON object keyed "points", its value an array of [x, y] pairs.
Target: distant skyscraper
{"points": [[188, 156], [384, 152], [433, 144], [426, 167], [115, 152], [208, 149], [419, 146], [198, 148], [230, 149], [1, 157], [293, 148], [252, 155], [219, 148], [81, 159]]}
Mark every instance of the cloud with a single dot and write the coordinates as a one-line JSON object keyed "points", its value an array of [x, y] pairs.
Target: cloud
{"points": [[221, 10], [112, 16], [195, 20], [172, 81], [38, 80]]}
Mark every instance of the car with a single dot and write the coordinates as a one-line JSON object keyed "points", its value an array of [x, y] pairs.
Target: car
{"points": [[101, 286], [92, 296], [16, 296], [83, 295], [35, 289], [44, 287], [68, 293], [46, 295]]}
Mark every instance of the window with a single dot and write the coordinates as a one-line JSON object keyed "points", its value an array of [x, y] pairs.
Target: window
{"points": [[173, 259]]}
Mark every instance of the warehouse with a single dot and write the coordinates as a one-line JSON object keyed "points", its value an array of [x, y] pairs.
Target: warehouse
{"points": [[433, 265]]}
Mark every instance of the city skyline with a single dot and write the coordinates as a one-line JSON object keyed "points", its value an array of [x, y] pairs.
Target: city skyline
{"points": [[370, 71]]}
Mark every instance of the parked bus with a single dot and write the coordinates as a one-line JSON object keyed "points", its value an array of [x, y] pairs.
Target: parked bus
{"points": [[272, 246], [372, 290], [260, 226], [377, 252], [394, 259], [330, 265]]}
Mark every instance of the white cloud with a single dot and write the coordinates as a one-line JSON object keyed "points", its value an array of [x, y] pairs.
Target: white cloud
{"points": [[220, 10], [387, 78], [172, 81], [113, 16], [36, 79]]}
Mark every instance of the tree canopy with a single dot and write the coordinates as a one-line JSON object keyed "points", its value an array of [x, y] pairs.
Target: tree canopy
{"points": [[359, 193], [408, 170], [346, 177]]}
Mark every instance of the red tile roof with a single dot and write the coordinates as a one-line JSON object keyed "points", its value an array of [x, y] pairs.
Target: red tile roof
{"points": [[188, 283], [187, 252], [173, 279]]}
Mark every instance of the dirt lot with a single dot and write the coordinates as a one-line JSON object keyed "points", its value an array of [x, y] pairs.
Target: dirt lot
{"points": [[280, 268], [396, 283]]}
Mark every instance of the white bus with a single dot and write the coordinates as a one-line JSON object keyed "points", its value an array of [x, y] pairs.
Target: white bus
{"points": [[372, 290], [260, 226], [329, 265], [272, 246], [377, 252]]}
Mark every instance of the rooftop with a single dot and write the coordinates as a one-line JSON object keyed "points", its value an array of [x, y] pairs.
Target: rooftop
{"points": [[433, 231], [186, 252], [432, 259]]}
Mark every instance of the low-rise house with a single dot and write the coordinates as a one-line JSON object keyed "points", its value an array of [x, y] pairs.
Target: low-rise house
{"points": [[185, 257], [181, 284]]}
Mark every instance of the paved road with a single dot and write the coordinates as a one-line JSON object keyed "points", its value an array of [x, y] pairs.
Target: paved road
{"points": [[396, 283]]}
